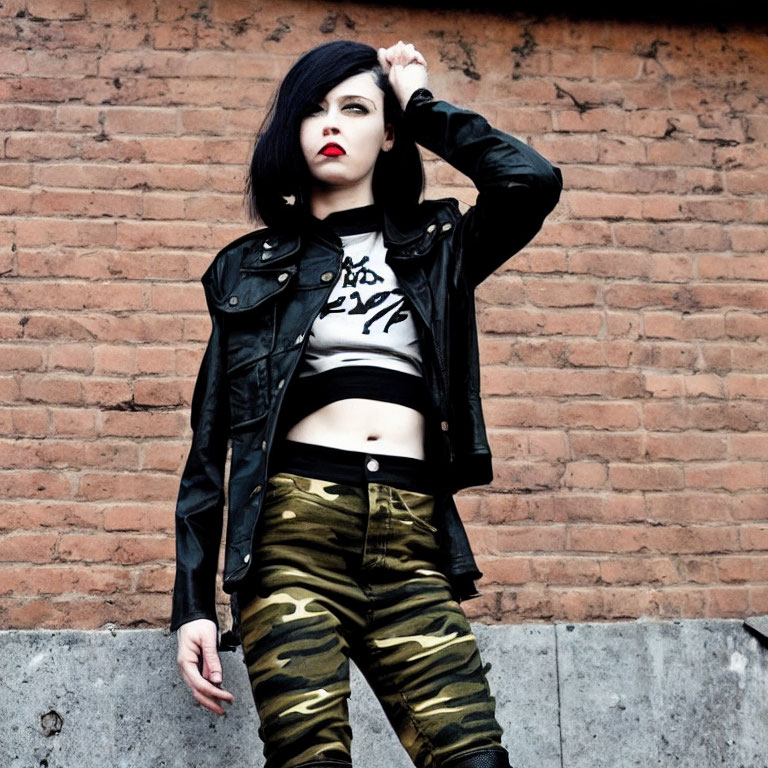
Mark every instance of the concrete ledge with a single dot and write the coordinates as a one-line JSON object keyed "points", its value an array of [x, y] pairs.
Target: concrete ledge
{"points": [[687, 693]]}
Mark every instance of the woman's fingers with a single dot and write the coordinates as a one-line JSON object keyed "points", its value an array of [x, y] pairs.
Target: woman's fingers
{"points": [[207, 702], [203, 691], [197, 653], [400, 54]]}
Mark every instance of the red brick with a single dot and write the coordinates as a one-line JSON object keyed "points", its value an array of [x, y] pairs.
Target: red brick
{"points": [[527, 475], [679, 507], [57, 580], [73, 422], [61, 390], [741, 568], [638, 569], [686, 446], [753, 537], [164, 455], [758, 600], [748, 506], [527, 602], [143, 424], [35, 484], [33, 515], [106, 393], [584, 474], [749, 446], [727, 602], [112, 454], [530, 538], [103, 547], [162, 392], [628, 603], [40, 453], [27, 547], [503, 508], [697, 570], [156, 579], [485, 607], [732, 476], [146, 517], [505, 570], [565, 570], [645, 476], [48, 9], [126, 486]]}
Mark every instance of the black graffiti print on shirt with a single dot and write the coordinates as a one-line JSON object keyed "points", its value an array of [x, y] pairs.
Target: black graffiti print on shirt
{"points": [[397, 310], [357, 273]]}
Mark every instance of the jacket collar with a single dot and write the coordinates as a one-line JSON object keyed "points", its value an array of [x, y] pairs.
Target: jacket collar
{"points": [[406, 242]]}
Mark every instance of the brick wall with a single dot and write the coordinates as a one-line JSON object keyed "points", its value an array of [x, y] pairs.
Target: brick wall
{"points": [[624, 351]]}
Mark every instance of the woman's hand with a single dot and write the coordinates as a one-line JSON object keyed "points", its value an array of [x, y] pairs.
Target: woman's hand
{"points": [[406, 67], [198, 639]]}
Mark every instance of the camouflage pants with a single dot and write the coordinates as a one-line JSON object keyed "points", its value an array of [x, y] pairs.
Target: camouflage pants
{"points": [[346, 571]]}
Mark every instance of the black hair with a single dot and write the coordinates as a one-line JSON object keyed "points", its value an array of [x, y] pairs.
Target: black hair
{"points": [[278, 168]]}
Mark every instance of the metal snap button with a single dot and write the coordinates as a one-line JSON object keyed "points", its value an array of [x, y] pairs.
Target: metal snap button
{"points": [[446, 227], [265, 256], [444, 426], [267, 245], [280, 383], [299, 338], [282, 277], [372, 465], [263, 445], [431, 228], [247, 558], [256, 491], [326, 276], [232, 300]]}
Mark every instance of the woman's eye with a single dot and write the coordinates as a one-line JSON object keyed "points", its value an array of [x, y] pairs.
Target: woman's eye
{"points": [[357, 108], [313, 109]]}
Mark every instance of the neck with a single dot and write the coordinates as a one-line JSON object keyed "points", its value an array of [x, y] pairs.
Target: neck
{"points": [[328, 200]]}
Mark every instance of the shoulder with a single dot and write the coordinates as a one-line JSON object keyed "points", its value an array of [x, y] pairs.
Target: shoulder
{"points": [[439, 210], [251, 249], [424, 219]]}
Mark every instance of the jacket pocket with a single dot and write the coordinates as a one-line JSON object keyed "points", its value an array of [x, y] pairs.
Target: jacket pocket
{"points": [[250, 316], [248, 394]]}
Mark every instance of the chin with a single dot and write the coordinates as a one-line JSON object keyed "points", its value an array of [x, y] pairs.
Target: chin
{"points": [[336, 180]]}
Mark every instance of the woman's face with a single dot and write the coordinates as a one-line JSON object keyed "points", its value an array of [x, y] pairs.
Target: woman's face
{"points": [[341, 139]]}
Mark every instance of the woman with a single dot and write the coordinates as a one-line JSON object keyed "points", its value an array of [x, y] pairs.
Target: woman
{"points": [[343, 368]]}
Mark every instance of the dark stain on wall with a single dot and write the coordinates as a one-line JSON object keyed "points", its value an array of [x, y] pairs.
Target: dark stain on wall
{"points": [[457, 53], [331, 21], [279, 32]]}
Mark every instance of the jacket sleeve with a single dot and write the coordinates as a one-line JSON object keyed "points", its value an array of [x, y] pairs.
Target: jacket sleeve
{"points": [[517, 187], [200, 501]]}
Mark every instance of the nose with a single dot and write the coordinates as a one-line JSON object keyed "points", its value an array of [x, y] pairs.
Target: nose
{"points": [[330, 129]]}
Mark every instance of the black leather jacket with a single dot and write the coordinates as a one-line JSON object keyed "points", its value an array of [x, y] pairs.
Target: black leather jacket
{"points": [[265, 289]]}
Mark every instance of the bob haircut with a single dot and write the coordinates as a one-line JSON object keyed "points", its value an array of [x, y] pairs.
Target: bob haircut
{"points": [[278, 169]]}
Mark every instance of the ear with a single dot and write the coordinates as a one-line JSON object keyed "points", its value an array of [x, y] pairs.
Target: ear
{"points": [[389, 138]]}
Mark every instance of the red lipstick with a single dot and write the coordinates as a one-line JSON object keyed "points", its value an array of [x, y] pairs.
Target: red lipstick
{"points": [[332, 150]]}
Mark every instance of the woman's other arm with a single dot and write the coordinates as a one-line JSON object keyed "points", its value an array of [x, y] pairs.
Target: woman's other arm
{"points": [[199, 511], [517, 187]]}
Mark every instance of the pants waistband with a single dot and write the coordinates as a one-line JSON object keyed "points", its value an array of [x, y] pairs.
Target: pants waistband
{"points": [[352, 467]]}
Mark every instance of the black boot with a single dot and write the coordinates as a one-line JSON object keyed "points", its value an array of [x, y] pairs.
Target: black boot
{"points": [[481, 758]]}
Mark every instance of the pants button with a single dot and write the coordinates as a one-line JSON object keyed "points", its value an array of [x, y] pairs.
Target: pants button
{"points": [[372, 465]]}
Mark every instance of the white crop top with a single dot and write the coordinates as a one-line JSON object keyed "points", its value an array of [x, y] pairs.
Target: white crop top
{"points": [[367, 319]]}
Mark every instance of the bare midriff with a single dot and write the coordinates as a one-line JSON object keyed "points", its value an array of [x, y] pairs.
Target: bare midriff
{"points": [[370, 426]]}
